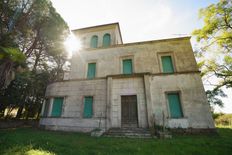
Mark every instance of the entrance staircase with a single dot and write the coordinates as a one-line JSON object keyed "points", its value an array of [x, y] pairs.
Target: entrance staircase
{"points": [[128, 132]]}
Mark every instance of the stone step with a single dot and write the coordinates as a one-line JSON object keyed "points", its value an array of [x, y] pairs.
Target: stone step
{"points": [[126, 136], [128, 132]]}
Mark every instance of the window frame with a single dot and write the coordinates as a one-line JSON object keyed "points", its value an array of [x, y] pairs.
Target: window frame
{"points": [[62, 107], [125, 58], [181, 104], [46, 107], [110, 40], [91, 41], [87, 69], [171, 54]]}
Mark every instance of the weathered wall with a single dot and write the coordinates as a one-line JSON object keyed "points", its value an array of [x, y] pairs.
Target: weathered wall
{"points": [[145, 58], [72, 124], [86, 38], [127, 86], [74, 92], [85, 35], [150, 88], [195, 107]]}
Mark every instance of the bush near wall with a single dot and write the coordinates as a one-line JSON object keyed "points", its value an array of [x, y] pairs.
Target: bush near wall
{"points": [[224, 120]]}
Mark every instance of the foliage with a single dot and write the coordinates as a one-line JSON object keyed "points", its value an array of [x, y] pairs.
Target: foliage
{"points": [[216, 115], [14, 54], [224, 120], [34, 28], [26, 91], [216, 40], [18, 140], [212, 97], [32, 52]]}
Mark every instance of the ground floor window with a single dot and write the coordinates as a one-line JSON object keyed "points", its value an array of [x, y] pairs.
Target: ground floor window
{"points": [[57, 106], [46, 108], [174, 104], [88, 107]]}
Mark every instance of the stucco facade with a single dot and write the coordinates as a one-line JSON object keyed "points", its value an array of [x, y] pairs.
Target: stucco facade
{"points": [[147, 83]]}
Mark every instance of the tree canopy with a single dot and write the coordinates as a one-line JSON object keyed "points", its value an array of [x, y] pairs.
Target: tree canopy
{"points": [[32, 53], [31, 32], [216, 39]]}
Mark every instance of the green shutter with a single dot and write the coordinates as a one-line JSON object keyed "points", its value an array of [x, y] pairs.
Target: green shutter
{"points": [[88, 107], [167, 64], [106, 40], [91, 70], [127, 66], [94, 42], [57, 107], [174, 105]]}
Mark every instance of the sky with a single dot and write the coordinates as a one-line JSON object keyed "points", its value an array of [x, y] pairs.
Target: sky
{"points": [[139, 20]]}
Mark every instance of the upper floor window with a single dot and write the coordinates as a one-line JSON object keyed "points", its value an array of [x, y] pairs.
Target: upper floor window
{"points": [[174, 105], [94, 41], [91, 73], [127, 66], [106, 40], [167, 64]]}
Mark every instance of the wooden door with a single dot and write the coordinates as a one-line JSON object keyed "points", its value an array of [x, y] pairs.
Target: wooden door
{"points": [[129, 114]]}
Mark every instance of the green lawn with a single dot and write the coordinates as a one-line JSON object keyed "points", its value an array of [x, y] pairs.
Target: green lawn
{"points": [[32, 141]]}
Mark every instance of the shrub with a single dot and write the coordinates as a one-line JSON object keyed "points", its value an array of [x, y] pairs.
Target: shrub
{"points": [[224, 120]]}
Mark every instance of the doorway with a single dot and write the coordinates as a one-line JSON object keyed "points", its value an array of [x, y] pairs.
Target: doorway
{"points": [[129, 111]]}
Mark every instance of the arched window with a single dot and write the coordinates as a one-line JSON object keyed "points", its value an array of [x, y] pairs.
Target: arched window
{"points": [[94, 41], [106, 40]]}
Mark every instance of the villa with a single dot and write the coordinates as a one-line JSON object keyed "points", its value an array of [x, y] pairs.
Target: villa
{"points": [[132, 85]]}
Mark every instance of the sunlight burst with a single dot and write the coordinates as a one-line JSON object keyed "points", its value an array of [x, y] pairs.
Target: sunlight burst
{"points": [[72, 44]]}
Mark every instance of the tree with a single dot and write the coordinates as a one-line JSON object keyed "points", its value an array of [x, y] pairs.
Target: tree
{"points": [[34, 29], [31, 35], [216, 37]]}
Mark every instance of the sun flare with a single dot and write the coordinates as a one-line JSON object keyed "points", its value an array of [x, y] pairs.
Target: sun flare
{"points": [[72, 44]]}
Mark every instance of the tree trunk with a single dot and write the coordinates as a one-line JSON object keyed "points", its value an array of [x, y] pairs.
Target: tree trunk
{"points": [[19, 112], [5, 73]]}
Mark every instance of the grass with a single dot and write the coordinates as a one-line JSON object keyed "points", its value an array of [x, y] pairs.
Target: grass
{"points": [[30, 141]]}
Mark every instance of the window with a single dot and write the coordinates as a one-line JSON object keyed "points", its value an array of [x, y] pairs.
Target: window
{"points": [[174, 105], [91, 73], [127, 66], [167, 64], [94, 42], [57, 106], [88, 107], [46, 108], [106, 40]]}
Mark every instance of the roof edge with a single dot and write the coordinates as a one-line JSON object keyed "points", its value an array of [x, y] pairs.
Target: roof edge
{"points": [[84, 28], [159, 40], [142, 42]]}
